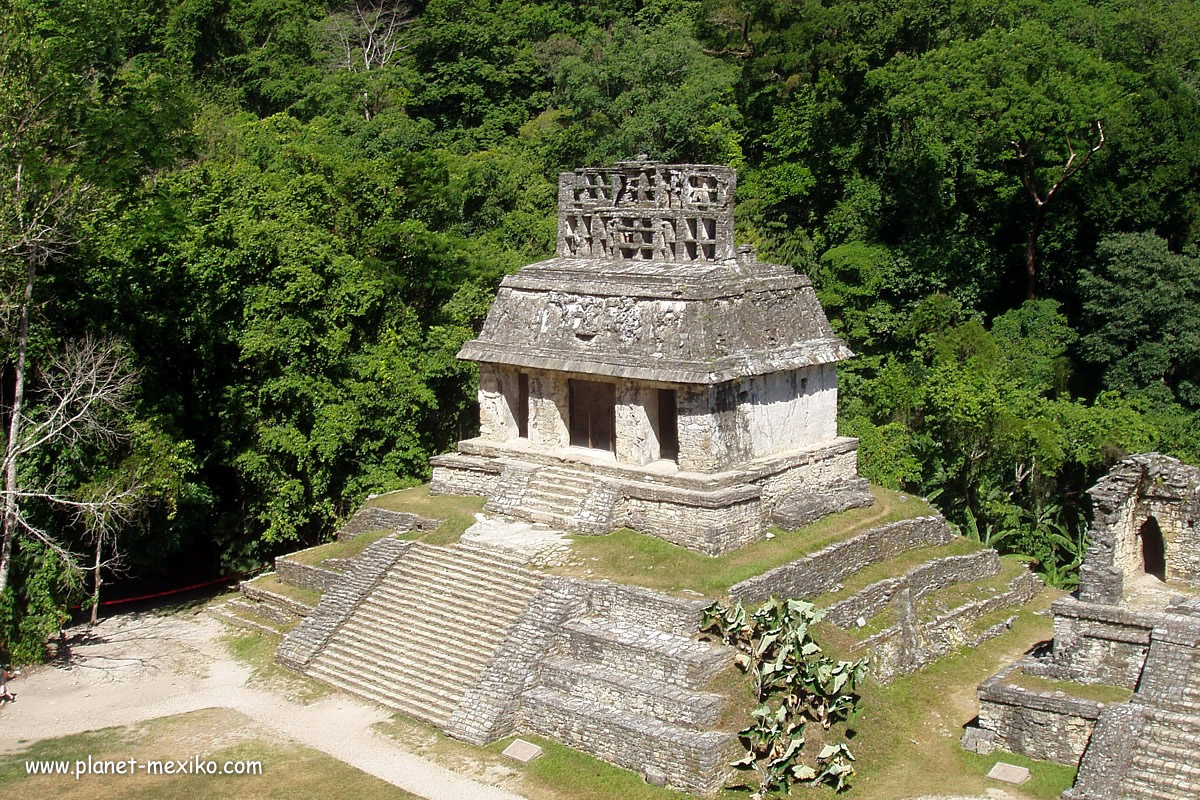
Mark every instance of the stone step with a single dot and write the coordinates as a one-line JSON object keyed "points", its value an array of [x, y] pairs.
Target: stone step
{"points": [[463, 589], [423, 677], [232, 617], [453, 611], [434, 712], [1161, 780], [558, 476], [568, 494], [462, 636], [460, 597], [268, 610], [481, 553], [633, 693], [633, 741], [411, 650], [487, 561], [422, 674], [550, 505], [556, 521], [657, 655], [438, 569]]}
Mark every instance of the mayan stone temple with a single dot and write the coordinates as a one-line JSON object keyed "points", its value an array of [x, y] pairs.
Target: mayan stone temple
{"points": [[651, 376], [655, 376]]}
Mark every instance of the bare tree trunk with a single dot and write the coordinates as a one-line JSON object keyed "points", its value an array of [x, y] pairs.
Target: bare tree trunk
{"points": [[1039, 220], [96, 580], [14, 430]]}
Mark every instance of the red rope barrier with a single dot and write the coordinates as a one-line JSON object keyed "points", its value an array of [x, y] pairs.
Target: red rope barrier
{"points": [[169, 592]]}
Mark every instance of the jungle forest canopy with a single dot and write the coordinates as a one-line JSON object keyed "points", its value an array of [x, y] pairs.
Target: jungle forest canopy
{"points": [[280, 219]]}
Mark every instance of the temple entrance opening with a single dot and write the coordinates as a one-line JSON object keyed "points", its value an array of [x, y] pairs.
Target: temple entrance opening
{"points": [[667, 427], [1154, 551], [592, 412]]}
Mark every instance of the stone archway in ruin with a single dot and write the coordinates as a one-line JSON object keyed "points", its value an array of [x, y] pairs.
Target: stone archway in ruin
{"points": [[1153, 549]]}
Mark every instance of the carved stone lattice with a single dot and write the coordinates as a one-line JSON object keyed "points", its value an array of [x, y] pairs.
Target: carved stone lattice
{"points": [[647, 211]]}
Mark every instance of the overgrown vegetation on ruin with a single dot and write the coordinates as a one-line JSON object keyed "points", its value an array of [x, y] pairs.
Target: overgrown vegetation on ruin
{"points": [[291, 224], [795, 684]]}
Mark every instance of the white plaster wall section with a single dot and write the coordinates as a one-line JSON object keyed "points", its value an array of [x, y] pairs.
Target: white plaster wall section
{"points": [[636, 442], [496, 420], [788, 410], [548, 410]]}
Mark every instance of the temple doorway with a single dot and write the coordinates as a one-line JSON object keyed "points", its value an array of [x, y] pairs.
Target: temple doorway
{"points": [[592, 410], [1154, 550]]}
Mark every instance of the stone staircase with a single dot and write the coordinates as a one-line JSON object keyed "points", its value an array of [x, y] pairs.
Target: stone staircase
{"points": [[425, 633], [933, 609], [1166, 760], [632, 693], [257, 608], [555, 496]]}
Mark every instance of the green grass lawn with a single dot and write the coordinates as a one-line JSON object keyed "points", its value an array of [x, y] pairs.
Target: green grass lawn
{"points": [[626, 556], [341, 548], [288, 770], [457, 511], [1099, 692], [271, 583]]}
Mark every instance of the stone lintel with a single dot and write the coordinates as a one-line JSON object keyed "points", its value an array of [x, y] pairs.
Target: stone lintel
{"points": [[670, 281], [660, 370]]}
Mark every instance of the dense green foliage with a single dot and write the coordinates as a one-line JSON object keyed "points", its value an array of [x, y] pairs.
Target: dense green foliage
{"points": [[292, 214], [795, 683]]}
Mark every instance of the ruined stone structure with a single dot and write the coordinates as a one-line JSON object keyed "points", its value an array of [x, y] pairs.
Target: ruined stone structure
{"points": [[652, 375], [1135, 626]]}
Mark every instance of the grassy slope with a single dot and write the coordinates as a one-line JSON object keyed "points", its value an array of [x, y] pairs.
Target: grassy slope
{"points": [[629, 557], [457, 511]]}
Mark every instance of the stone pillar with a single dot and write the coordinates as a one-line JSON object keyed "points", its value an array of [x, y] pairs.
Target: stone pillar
{"points": [[702, 447], [548, 410], [497, 401], [637, 408]]}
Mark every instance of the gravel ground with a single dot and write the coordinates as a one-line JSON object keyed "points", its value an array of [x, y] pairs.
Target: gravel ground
{"points": [[139, 667]]}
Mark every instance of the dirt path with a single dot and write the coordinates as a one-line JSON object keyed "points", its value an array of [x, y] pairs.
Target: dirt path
{"points": [[141, 667]]}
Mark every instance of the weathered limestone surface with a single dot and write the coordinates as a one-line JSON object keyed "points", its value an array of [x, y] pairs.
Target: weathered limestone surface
{"points": [[338, 603], [822, 571], [369, 518], [918, 581], [305, 576], [1146, 749], [1053, 726], [1140, 488]]}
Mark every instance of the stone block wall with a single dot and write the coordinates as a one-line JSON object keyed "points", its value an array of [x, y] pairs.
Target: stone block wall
{"points": [[1052, 726], [369, 518], [305, 576], [454, 474], [918, 581], [491, 709], [706, 528], [696, 760], [1141, 487], [824, 570], [639, 606], [914, 643], [1096, 643], [836, 466]]}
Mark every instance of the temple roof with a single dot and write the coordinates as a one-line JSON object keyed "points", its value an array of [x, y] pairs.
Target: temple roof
{"points": [[649, 285]]}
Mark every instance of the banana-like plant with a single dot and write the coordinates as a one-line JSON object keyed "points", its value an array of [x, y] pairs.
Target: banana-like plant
{"points": [[795, 682]]}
